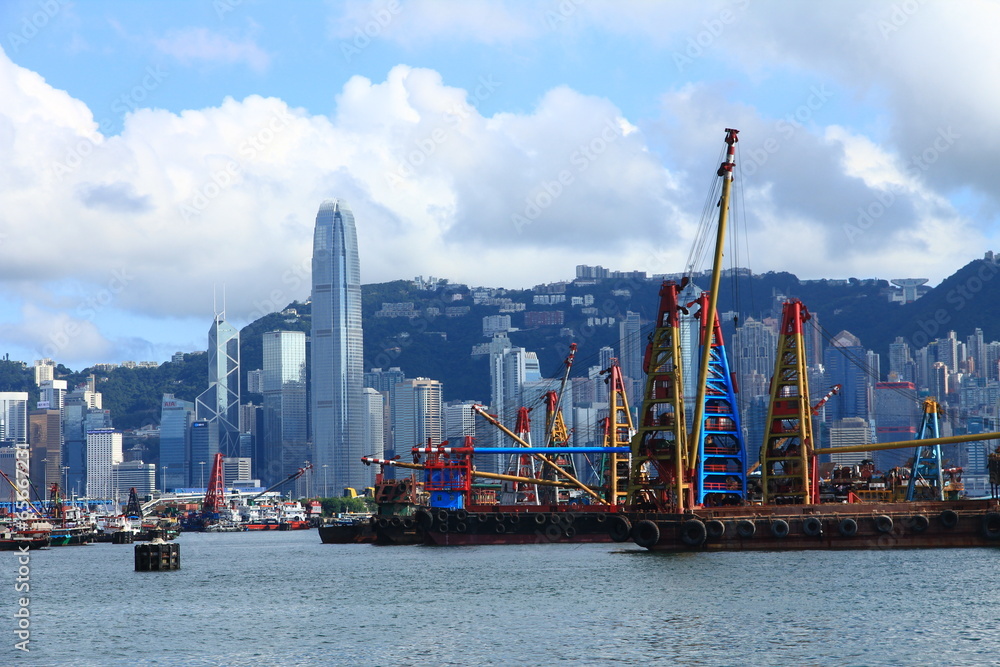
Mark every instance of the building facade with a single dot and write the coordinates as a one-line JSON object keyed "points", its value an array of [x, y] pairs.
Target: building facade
{"points": [[337, 348]]}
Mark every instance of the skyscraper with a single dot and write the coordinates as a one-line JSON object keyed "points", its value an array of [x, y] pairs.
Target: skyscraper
{"points": [[338, 409], [220, 403], [285, 427], [176, 416]]}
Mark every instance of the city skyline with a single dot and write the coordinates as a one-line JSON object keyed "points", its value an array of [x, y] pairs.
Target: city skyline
{"points": [[188, 148]]}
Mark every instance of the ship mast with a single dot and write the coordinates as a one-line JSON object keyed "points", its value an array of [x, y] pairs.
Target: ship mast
{"points": [[726, 173]]}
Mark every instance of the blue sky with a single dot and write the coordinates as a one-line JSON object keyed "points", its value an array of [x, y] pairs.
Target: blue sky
{"points": [[156, 151]]}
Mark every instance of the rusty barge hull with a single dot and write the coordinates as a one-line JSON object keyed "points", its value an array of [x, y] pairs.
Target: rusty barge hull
{"points": [[515, 524], [917, 525]]}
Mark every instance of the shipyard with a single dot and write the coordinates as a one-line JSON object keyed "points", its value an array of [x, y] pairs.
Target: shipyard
{"points": [[396, 332]]}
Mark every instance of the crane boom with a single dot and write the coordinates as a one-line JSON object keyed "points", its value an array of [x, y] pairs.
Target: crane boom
{"points": [[295, 475]]}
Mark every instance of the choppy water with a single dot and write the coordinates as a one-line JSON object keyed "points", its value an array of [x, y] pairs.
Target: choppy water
{"points": [[286, 599]]}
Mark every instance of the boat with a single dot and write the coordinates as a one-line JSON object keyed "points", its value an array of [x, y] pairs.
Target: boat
{"points": [[690, 491], [20, 535], [348, 529]]}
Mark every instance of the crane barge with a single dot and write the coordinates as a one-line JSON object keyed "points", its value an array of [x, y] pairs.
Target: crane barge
{"points": [[667, 509]]}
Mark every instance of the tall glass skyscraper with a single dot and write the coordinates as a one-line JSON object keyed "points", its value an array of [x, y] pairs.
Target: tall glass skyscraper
{"points": [[285, 428], [338, 409], [220, 403]]}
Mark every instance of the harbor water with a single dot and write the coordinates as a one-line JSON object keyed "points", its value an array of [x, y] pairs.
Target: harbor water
{"points": [[283, 598]]}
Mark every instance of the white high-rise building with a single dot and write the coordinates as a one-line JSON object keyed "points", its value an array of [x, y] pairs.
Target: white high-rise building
{"points": [[104, 451], [14, 417]]}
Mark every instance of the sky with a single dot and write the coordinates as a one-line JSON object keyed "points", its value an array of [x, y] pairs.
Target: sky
{"points": [[164, 161]]}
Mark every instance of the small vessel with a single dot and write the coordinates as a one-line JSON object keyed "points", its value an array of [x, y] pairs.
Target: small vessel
{"points": [[348, 529], [18, 536]]}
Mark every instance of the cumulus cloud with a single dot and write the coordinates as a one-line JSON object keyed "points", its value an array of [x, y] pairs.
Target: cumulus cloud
{"points": [[155, 216]]}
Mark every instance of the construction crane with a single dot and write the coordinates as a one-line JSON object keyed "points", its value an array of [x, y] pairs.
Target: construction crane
{"points": [[295, 475]]}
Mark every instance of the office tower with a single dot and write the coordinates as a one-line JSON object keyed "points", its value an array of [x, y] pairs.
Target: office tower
{"points": [[104, 451], [204, 447], [632, 345], [850, 432], [374, 426], [220, 403], [417, 417], [286, 432], [133, 475], [337, 348], [14, 417], [176, 417], [897, 415], [459, 421], [846, 364], [45, 438], [385, 382], [752, 349], [236, 469], [901, 364]]}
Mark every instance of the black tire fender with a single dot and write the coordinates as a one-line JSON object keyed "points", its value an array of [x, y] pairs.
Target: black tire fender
{"points": [[715, 529], [812, 527], [619, 529], [646, 533], [745, 528], [779, 528], [848, 527], [693, 533]]}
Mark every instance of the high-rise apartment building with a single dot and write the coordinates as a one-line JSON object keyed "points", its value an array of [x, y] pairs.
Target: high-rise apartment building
{"points": [[104, 451], [337, 348], [220, 403], [286, 429]]}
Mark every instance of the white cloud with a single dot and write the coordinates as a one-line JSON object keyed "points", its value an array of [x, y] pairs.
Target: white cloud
{"points": [[193, 45]]}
